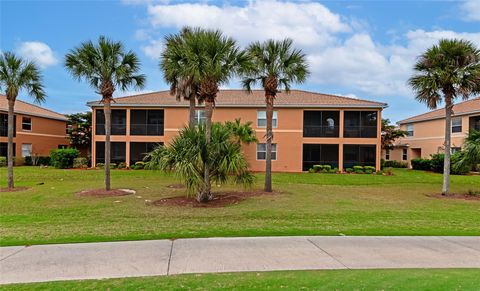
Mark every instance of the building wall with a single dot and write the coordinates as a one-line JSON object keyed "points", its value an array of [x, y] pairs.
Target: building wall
{"points": [[45, 135], [288, 135], [428, 138]]}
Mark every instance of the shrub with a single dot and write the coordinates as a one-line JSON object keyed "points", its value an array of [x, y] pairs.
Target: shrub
{"points": [[394, 164], [80, 162], [139, 166], [27, 161], [63, 158], [122, 165], [421, 164], [371, 169], [334, 170], [100, 165], [42, 161], [113, 165], [358, 169], [349, 170], [311, 170], [437, 163], [317, 168], [3, 161], [387, 171]]}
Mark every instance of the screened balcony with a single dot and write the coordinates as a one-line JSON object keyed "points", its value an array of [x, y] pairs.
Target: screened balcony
{"points": [[119, 122], [321, 123], [320, 154], [359, 155], [361, 124], [147, 122], [117, 152], [138, 150]]}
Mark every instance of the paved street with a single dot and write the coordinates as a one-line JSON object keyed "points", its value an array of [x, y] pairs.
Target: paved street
{"points": [[211, 255]]}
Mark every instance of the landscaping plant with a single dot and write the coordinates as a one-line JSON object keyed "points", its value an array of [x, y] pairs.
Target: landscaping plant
{"points": [[63, 158]]}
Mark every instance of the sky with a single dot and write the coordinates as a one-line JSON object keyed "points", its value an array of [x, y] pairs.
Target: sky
{"points": [[359, 49]]}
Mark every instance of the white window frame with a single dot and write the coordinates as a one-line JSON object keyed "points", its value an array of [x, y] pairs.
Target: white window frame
{"points": [[410, 129], [199, 116], [29, 148], [27, 123], [404, 154], [262, 115], [456, 119], [274, 151]]}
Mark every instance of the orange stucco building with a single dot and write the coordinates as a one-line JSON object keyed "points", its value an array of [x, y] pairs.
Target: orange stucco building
{"points": [[426, 132], [309, 128], [36, 130]]}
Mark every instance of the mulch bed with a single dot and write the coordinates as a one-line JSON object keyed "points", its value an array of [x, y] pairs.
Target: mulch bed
{"points": [[16, 189], [220, 199], [105, 193], [456, 196]]}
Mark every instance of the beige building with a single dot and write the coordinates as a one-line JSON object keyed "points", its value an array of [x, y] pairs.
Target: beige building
{"points": [[309, 128], [426, 132], [37, 130]]}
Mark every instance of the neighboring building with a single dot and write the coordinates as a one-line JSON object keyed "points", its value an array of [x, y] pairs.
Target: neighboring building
{"points": [[36, 130], [426, 132], [309, 128]]}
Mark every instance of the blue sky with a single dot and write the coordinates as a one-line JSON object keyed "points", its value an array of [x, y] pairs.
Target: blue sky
{"points": [[362, 49]]}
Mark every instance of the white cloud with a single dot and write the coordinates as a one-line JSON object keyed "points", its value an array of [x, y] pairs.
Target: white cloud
{"points": [[153, 49], [39, 52], [310, 24], [471, 8], [130, 93]]}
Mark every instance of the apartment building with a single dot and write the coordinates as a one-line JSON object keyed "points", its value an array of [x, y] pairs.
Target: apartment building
{"points": [[36, 130], [309, 128], [426, 132]]}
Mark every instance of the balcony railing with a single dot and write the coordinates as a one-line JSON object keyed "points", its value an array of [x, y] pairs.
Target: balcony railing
{"points": [[320, 131], [146, 129], [360, 131], [117, 129]]}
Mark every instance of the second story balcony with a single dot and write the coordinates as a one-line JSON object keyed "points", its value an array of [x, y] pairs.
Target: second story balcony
{"points": [[360, 131], [146, 129], [321, 123], [119, 122]]}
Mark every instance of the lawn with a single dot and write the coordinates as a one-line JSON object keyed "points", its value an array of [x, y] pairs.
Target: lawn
{"points": [[408, 279], [308, 204]]}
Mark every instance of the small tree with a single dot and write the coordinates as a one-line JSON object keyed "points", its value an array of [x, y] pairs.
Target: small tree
{"points": [[17, 74], [390, 133], [443, 73], [190, 153], [80, 130]]}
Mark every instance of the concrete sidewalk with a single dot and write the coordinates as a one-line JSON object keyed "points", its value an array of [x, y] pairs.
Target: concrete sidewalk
{"points": [[210, 255]]}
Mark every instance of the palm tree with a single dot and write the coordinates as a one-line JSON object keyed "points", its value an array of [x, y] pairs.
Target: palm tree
{"points": [[211, 59], [443, 73], [190, 153], [171, 61], [105, 66], [17, 74], [276, 64], [470, 154], [241, 132]]}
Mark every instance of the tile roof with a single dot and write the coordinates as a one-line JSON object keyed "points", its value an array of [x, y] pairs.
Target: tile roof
{"points": [[22, 107], [239, 98], [462, 108]]}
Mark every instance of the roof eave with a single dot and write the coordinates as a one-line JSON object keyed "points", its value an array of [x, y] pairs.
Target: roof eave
{"points": [[406, 121], [380, 105]]}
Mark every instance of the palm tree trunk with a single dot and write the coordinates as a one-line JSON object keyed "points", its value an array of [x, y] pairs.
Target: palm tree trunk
{"points": [[269, 136], [448, 133], [191, 119], [205, 195], [11, 116], [107, 110]]}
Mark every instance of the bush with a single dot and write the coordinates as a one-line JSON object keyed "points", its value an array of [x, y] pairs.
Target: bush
{"points": [[437, 163], [421, 164], [63, 158], [387, 171], [358, 169], [113, 165], [80, 162], [3, 161], [139, 166], [36, 161], [371, 169], [122, 165], [100, 165], [394, 164], [27, 161], [349, 170]]}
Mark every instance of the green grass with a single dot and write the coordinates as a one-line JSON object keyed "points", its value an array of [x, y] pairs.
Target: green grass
{"points": [[408, 279], [309, 204]]}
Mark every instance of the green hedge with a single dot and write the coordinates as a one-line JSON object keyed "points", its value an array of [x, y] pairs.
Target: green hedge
{"points": [[3, 161], [435, 164], [394, 164], [63, 158]]}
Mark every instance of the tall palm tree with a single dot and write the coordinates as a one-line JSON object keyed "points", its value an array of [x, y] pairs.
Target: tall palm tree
{"points": [[17, 74], [211, 59], [276, 64], [172, 59], [106, 66], [444, 72]]}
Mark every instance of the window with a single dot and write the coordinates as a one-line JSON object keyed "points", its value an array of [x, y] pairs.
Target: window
{"points": [[146, 122], [26, 123], [26, 150], [321, 123], [474, 122], [199, 116], [4, 124], [457, 124], [117, 152], [387, 154], [409, 129], [358, 155], [360, 124], [262, 151], [404, 154], [119, 122], [262, 119], [320, 154], [4, 149]]}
